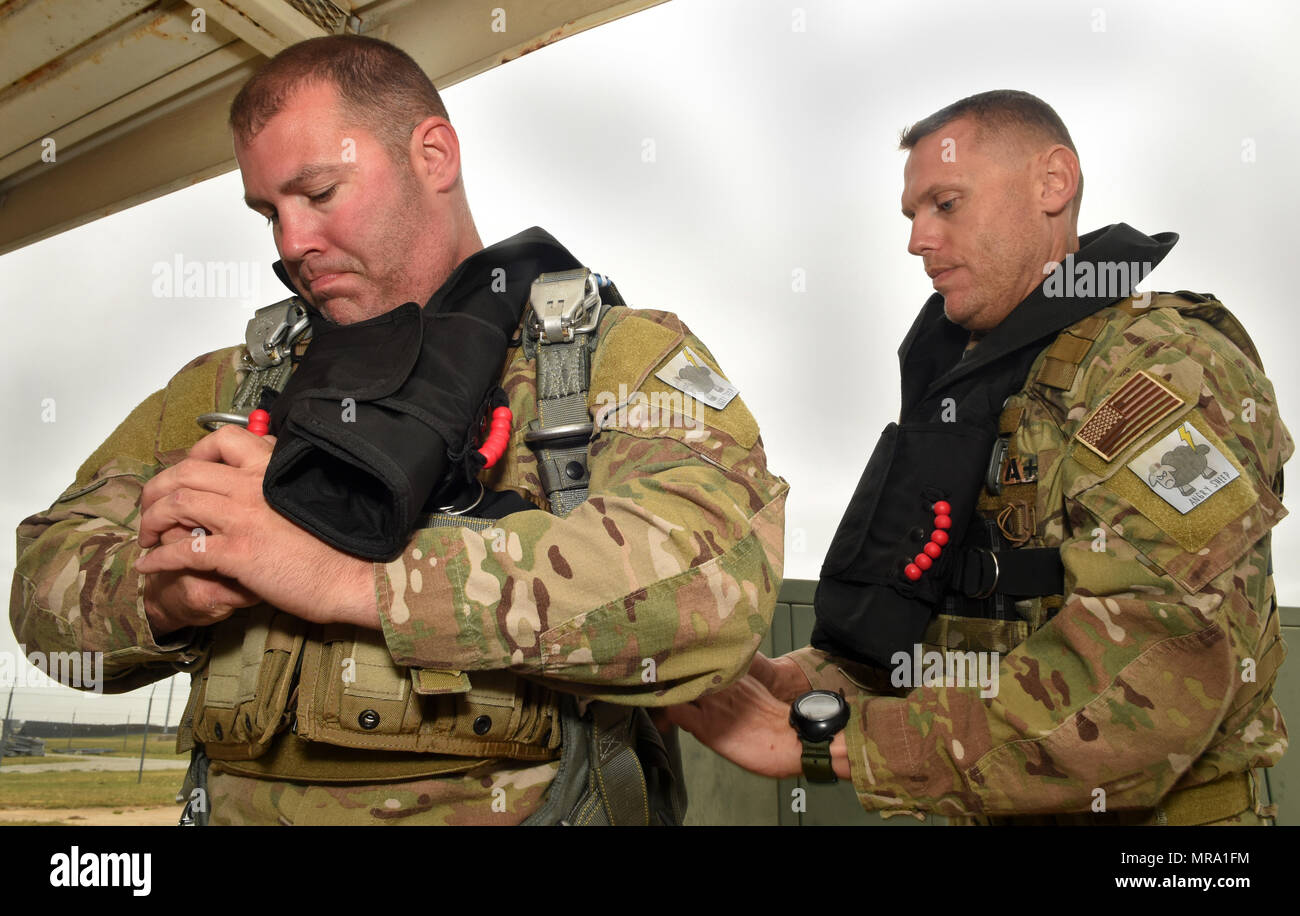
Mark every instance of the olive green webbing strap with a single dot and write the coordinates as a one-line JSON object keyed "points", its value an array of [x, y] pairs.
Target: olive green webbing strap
{"points": [[601, 781], [249, 393], [560, 329], [440, 520], [619, 780], [602, 778], [563, 378]]}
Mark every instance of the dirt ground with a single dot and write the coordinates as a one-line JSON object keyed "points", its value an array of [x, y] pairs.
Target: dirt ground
{"points": [[165, 815]]}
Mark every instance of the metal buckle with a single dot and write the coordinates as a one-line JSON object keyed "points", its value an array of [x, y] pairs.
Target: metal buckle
{"points": [[563, 304], [581, 431], [993, 475], [273, 331]]}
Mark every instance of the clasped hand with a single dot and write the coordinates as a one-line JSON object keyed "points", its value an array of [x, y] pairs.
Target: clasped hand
{"points": [[213, 545]]}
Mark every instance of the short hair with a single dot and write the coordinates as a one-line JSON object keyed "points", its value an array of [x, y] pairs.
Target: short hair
{"points": [[378, 84], [999, 112]]}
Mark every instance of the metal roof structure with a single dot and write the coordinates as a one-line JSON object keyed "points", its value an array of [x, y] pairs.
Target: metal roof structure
{"points": [[109, 103]]}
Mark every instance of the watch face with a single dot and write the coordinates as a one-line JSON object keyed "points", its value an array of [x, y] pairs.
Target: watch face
{"points": [[819, 706]]}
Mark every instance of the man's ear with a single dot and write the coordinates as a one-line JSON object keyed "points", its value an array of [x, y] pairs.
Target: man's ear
{"points": [[1060, 177], [435, 153]]}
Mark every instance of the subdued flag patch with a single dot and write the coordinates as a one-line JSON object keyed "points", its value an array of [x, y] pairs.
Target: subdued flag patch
{"points": [[1137, 406], [689, 373], [1183, 468]]}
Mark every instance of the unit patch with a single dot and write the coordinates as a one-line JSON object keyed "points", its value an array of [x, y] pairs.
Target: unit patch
{"points": [[1183, 468], [1138, 405], [1020, 470], [688, 373]]}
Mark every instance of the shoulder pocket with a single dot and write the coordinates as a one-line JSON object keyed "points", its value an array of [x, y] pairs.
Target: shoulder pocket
{"points": [[1192, 547]]}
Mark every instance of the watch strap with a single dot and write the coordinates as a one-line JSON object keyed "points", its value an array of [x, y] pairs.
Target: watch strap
{"points": [[816, 759]]}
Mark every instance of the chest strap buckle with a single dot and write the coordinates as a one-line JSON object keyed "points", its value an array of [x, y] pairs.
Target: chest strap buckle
{"points": [[563, 304]]}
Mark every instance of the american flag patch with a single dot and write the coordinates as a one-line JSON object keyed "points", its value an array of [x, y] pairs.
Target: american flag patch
{"points": [[1138, 405]]}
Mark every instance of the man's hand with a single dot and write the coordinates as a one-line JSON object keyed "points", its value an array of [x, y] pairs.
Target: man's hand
{"points": [[259, 553], [745, 724], [749, 722], [783, 678], [174, 600]]}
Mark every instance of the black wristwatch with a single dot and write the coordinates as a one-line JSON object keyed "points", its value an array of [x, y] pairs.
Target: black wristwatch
{"points": [[817, 717]]}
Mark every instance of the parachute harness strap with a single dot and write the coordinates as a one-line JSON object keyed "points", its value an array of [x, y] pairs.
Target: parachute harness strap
{"points": [[564, 311]]}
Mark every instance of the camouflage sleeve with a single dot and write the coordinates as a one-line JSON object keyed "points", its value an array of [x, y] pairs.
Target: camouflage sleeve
{"points": [[656, 589], [1157, 671], [838, 675], [75, 587]]}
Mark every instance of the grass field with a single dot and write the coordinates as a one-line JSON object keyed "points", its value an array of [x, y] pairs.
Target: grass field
{"points": [[160, 747], [88, 790], [163, 746]]}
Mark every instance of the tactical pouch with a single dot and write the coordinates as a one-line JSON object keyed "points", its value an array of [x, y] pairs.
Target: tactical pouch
{"points": [[357, 717], [369, 424], [353, 695], [380, 414], [240, 703], [866, 607]]}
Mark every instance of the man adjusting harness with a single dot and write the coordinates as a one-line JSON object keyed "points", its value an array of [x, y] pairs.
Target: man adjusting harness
{"points": [[363, 654], [1054, 417]]}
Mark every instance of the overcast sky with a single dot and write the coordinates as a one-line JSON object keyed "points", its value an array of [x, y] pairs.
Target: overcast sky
{"points": [[774, 151]]}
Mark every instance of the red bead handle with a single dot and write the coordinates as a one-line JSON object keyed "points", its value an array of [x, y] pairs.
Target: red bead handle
{"points": [[259, 422], [933, 548], [498, 437]]}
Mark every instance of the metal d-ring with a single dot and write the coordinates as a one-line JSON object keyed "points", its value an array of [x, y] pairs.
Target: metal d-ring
{"points": [[451, 510], [996, 573], [218, 417]]}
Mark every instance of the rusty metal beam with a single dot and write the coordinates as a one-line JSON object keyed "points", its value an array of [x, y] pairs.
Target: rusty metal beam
{"points": [[168, 130], [36, 32], [144, 49], [270, 26]]}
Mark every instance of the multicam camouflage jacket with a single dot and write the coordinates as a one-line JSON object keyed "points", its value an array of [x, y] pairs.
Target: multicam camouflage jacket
{"points": [[655, 590], [1154, 670]]}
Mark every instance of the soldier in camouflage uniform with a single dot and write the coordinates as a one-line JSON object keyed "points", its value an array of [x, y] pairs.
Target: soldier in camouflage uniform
{"points": [[654, 590], [1140, 693]]}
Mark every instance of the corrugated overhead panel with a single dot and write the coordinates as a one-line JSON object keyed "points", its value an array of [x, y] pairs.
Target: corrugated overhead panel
{"points": [[111, 103]]}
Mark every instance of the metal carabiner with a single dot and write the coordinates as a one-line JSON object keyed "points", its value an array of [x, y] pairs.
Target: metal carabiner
{"points": [[217, 419]]}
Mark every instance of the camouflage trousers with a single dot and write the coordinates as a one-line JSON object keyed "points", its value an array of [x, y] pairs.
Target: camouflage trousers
{"points": [[496, 793]]}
